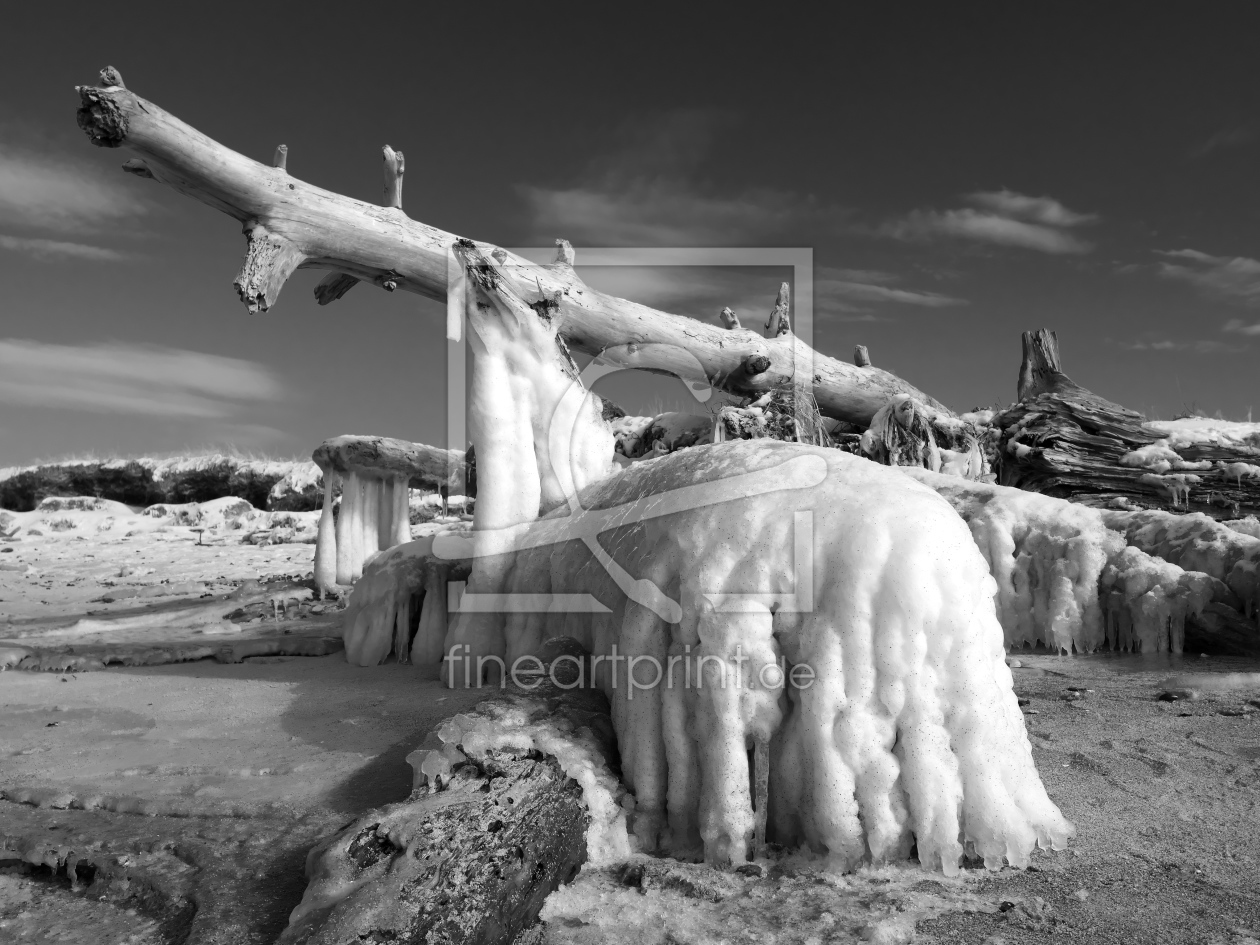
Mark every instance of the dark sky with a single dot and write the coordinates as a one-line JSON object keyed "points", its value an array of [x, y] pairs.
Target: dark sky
{"points": [[961, 172]]}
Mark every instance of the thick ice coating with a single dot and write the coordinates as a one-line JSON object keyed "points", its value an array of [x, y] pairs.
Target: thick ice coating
{"points": [[1197, 543], [399, 606], [909, 730], [1067, 581]]}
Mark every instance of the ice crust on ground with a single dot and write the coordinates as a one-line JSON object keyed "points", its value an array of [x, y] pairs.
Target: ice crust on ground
{"points": [[792, 902], [1214, 682], [1067, 581], [911, 732]]}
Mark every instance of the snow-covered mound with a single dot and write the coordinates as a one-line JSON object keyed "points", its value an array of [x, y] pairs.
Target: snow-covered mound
{"points": [[226, 519], [909, 732], [1197, 431], [301, 489], [147, 481]]}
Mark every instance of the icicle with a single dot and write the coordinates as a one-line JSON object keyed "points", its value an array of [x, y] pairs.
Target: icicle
{"points": [[349, 541], [326, 541], [368, 520], [402, 512], [402, 626], [368, 623], [761, 797], [430, 644], [385, 514]]}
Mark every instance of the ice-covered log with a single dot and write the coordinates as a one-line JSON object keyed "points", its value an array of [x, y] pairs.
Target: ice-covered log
{"points": [[528, 794], [538, 434], [291, 224], [400, 605], [779, 557], [425, 467], [376, 473], [1069, 582]]}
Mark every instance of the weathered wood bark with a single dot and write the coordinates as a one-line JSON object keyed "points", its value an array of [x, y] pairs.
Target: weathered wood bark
{"points": [[393, 177], [482, 851], [1066, 441], [427, 467], [1040, 370], [292, 225]]}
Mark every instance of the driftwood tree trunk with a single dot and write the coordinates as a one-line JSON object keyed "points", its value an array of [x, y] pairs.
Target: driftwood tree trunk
{"points": [[291, 225], [1068, 442], [426, 467]]}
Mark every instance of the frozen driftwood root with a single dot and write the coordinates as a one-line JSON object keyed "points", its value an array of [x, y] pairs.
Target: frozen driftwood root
{"points": [[521, 793], [290, 224], [732, 564]]}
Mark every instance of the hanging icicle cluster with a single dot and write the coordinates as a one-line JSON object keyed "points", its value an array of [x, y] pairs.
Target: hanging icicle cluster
{"points": [[401, 606], [374, 515], [375, 474]]}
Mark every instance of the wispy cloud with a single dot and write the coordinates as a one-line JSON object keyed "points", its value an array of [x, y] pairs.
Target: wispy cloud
{"points": [[53, 250], [51, 192], [1228, 138], [847, 294], [1238, 327], [853, 295], [651, 190], [1199, 346], [1001, 217], [1041, 210], [130, 379], [700, 292], [1231, 278]]}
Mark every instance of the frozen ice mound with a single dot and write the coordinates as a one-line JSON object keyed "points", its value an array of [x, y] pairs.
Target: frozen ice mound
{"points": [[910, 732], [1067, 581], [1196, 543]]}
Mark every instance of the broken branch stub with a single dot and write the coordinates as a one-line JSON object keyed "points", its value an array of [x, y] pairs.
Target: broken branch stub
{"points": [[269, 262], [779, 323], [393, 177]]}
